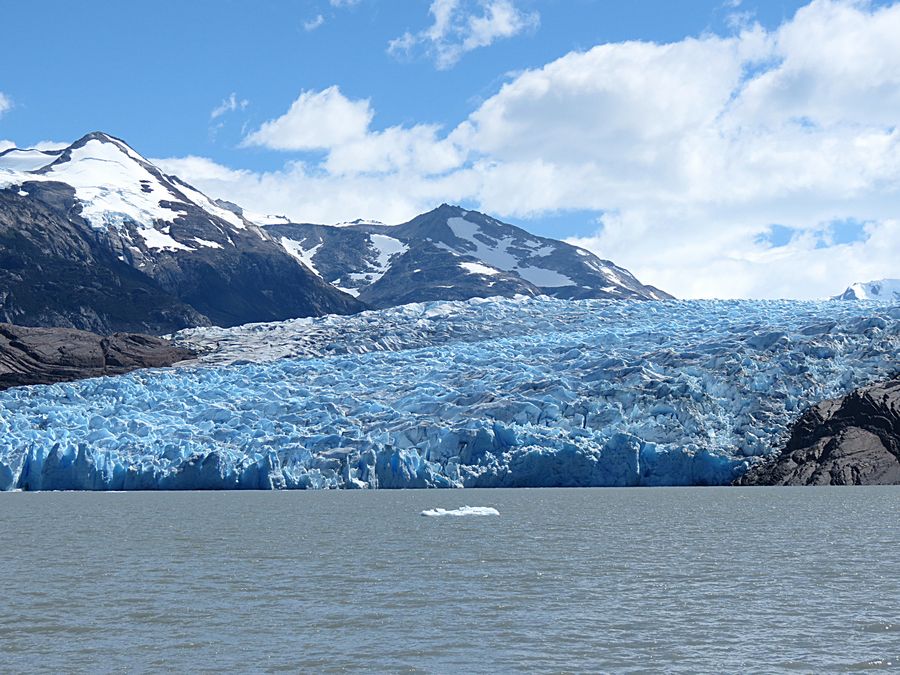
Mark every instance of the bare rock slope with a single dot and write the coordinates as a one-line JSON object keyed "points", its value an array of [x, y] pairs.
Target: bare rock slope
{"points": [[48, 355], [854, 440]]}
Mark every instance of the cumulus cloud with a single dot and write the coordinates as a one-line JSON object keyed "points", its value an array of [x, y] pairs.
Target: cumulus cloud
{"points": [[5, 103], [230, 104], [690, 153], [305, 194], [460, 26], [316, 120], [6, 145]]}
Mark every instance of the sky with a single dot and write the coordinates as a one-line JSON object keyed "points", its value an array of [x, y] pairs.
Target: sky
{"points": [[714, 148]]}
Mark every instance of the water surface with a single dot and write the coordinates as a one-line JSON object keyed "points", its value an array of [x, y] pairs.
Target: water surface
{"points": [[738, 580]]}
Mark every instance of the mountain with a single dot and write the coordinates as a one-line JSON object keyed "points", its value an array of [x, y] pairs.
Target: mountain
{"points": [[884, 289], [96, 237], [452, 254]]}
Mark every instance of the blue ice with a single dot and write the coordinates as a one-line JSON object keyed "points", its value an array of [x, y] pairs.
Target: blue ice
{"points": [[499, 393]]}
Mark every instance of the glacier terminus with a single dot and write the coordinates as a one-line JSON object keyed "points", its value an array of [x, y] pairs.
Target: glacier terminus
{"points": [[515, 392]]}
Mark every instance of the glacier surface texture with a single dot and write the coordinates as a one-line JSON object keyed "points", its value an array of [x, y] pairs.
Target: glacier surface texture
{"points": [[536, 392]]}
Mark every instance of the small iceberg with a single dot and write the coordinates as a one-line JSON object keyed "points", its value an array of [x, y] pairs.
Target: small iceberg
{"points": [[462, 511]]}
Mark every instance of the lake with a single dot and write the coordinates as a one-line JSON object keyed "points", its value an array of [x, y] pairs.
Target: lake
{"points": [[675, 579]]}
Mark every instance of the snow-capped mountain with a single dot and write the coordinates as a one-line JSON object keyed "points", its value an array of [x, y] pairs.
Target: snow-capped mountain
{"points": [[884, 289], [452, 254], [94, 236]]}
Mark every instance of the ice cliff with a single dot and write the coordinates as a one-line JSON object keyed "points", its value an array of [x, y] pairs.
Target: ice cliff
{"points": [[537, 392]]}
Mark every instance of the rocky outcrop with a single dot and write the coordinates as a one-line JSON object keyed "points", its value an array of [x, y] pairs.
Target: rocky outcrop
{"points": [[47, 355], [853, 440]]}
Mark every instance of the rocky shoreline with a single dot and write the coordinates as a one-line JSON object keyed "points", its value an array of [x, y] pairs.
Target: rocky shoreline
{"points": [[853, 440], [49, 355]]}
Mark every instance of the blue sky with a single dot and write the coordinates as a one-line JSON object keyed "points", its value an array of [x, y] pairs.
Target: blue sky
{"points": [[735, 148], [152, 72]]}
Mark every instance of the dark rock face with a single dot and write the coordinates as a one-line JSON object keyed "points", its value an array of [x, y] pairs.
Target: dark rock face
{"points": [[55, 272], [48, 355], [454, 254], [853, 440]]}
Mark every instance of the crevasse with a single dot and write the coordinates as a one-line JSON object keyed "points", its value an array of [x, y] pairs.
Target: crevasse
{"points": [[485, 393]]}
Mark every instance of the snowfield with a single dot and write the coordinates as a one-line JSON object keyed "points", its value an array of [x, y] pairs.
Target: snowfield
{"points": [[527, 392], [885, 290]]}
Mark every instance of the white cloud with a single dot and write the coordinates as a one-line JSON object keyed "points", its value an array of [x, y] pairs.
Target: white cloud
{"points": [[312, 24], [5, 103], [460, 26], [40, 145], [230, 104], [316, 120], [344, 3], [689, 152], [51, 145], [306, 194], [329, 121]]}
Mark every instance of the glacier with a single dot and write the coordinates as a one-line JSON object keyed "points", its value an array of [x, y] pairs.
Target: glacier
{"points": [[525, 392]]}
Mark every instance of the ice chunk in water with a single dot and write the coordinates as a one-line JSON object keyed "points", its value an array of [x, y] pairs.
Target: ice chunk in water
{"points": [[462, 511]]}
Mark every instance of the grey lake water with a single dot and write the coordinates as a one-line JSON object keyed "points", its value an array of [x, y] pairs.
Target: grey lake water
{"points": [[629, 580]]}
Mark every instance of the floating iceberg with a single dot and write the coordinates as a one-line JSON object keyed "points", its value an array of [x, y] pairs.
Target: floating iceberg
{"points": [[462, 511], [484, 393]]}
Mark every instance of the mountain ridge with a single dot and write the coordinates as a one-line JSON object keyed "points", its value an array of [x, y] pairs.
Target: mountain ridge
{"points": [[451, 253], [97, 237]]}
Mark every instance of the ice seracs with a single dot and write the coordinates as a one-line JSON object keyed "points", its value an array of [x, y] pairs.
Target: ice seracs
{"points": [[484, 393]]}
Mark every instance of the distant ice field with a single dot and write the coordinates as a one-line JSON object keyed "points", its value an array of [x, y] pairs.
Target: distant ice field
{"points": [[484, 393]]}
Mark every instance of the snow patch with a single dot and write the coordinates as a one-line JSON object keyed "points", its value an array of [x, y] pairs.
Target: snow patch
{"points": [[358, 221], [266, 219], [477, 268], [498, 255], [304, 255], [113, 187], [386, 248], [545, 278], [114, 184], [885, 289], [162, 241], [207, 244], [26, 160], [207, 205], [543, 251]]}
